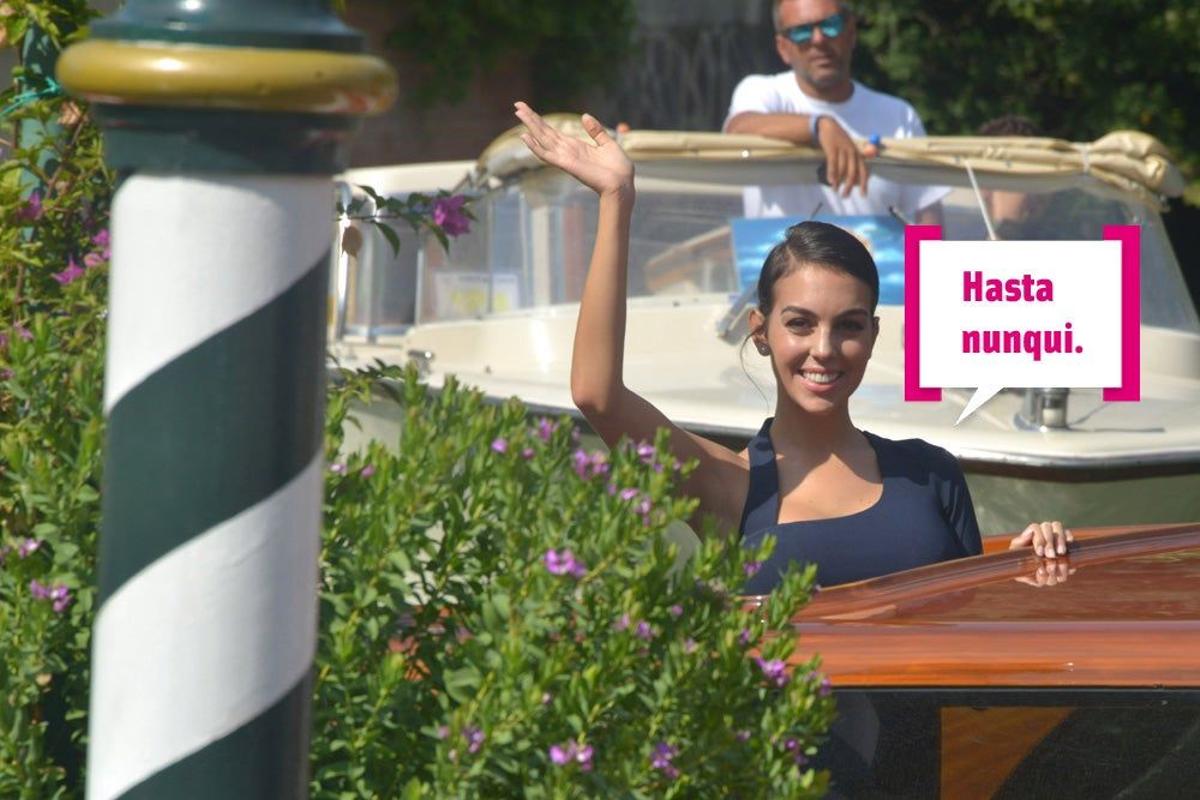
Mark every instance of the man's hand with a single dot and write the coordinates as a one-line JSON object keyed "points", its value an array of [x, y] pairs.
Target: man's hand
{"points": [[845, 164]]}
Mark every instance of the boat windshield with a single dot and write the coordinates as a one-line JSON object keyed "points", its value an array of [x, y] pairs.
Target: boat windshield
{"points": [[704, 228]]}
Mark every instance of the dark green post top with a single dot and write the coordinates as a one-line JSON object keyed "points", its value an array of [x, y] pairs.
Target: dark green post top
{"points": [[227, 85]]}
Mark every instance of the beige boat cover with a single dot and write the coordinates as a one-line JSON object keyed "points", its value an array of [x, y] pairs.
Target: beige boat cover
{"points": [[1129, 160]]}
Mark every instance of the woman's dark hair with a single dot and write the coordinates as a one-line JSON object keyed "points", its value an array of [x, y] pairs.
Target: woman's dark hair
{"points": [[819, 244]]}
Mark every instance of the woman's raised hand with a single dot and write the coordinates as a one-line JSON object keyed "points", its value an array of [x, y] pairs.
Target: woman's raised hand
{"points": [[603, 167]]}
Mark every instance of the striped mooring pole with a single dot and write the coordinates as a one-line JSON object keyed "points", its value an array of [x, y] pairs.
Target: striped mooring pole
{"points": [[226, 120]]}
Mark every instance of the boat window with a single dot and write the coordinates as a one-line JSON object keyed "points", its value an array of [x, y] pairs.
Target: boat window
{"points": [[533, 240], [1083, 745]]}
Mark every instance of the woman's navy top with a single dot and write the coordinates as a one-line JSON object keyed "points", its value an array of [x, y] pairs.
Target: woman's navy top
{"points": [[923, 516]]}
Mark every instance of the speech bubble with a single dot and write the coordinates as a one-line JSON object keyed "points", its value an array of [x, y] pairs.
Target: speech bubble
{"points": [[993, 314]]}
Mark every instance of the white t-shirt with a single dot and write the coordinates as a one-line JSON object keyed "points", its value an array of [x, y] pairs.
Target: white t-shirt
{"points": [[866, 112]]}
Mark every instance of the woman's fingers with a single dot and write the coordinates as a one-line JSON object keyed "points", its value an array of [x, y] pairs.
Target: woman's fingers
{"points": [[1022, 539], [595, 130], [1048, 539]]}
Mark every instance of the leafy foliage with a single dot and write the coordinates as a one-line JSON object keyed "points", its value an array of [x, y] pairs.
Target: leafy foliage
{"points": [[491, 592], [54, 196], [571, 44], [1077, 68], [443, 214]]}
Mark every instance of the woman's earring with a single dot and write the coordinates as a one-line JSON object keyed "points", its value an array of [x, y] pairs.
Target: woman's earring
{"points": [[763, 350]]}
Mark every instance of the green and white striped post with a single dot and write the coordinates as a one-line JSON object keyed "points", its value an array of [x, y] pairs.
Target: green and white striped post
{"points": [[227, 119]]}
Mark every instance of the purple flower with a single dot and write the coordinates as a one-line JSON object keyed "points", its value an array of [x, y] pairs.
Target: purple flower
{"points": [[564, 563], [70, 274], [93, 260], [584, 757], [622, 623], [742, 736], [791, 744], [751, 567], [546, 428], [676, 611], [644, 631], [27, 547], [39, 590], [645, 452], [337, 468], [475, 739], [562, 755], [527, 453], [660, 759], [102, 242], [32, 210], [775, 671], [629, 494], [800, 759], [500, 444], [367, 471], [443, 731], [448, 214], [744, 638], [581, 464], [589, 466], [689, 646], [643, 508], [23, 332], [825, 688], [5, 374], [61, 596], [547, 698]]}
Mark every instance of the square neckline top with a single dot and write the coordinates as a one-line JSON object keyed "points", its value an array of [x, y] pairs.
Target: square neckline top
{"points": [[923, 515]]}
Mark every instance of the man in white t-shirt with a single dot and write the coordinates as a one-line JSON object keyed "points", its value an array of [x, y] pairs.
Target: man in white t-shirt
{"points": [[816, 103]]}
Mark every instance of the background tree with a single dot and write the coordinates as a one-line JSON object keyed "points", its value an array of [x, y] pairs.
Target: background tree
{"points": [[1078, 68]]}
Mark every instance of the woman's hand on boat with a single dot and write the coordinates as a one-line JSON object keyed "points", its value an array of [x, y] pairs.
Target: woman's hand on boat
{"points": [[1048, 539], [603, 167]]}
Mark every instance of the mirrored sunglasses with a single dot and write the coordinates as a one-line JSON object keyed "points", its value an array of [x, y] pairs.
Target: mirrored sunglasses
{"points": [[831, 27]]}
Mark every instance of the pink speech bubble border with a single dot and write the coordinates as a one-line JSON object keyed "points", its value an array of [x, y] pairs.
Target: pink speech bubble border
{"points": [[913, 236], [1131, 313], [1130, 237]]}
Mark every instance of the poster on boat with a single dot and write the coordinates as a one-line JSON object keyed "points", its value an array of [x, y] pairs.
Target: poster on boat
{"points": [[466, 294], [883, 235]]}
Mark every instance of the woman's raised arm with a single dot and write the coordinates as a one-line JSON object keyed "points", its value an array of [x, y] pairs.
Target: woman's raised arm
{"points": [[596, 380], [597, 383]]}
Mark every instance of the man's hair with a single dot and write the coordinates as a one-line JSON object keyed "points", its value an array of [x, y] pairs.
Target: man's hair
{"points": [[1009, 125], [844, 8]]}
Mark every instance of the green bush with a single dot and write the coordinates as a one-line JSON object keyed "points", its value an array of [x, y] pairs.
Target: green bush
{"points": [[496, 600]]}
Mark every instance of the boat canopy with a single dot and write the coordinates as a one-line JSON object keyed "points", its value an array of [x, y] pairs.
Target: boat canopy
{"points": [[710, 206], [1132, 161]]}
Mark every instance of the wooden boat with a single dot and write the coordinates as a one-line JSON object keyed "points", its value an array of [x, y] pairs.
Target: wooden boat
{"points": [[997, 676]]}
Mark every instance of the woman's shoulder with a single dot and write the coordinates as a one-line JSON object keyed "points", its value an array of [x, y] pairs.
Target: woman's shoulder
{"points": [[919, 453]]}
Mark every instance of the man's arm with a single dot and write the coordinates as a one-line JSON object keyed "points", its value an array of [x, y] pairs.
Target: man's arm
{"points": [[845, 164]]}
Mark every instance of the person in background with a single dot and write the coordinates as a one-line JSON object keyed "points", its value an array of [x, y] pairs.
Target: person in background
{"points": [[1012, 212], [815, 102]]}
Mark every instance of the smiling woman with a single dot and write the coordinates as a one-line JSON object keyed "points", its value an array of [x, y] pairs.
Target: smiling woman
{"points": [[856, 504]]}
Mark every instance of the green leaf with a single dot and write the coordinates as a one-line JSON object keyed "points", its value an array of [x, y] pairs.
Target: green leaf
{"points": [[460, 683], [390, 234]]}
